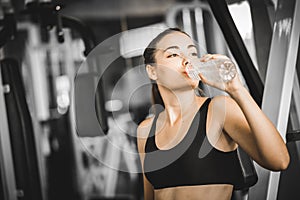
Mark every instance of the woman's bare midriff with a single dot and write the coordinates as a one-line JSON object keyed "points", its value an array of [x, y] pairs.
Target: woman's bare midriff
{"points": [[202, 192]]}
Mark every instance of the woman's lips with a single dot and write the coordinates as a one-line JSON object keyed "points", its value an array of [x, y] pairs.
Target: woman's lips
{"points": [[185, 73]]}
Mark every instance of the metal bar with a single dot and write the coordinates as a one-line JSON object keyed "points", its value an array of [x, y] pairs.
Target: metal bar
{"points": [[70, 72], [38, 104], [172, 13], [186, 21], [200, 30], [278, 85], [37, 72], [112, 158], [21, 133], [6, 160]]}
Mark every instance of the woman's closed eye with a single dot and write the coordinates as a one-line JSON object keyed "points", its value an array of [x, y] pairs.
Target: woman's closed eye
{"points": [[194, 54], [172, 55]]}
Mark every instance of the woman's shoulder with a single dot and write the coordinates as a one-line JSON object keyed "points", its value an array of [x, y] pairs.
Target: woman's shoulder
{"points": [[143, 130], [146, 123], [221, 107], [222, 101]]}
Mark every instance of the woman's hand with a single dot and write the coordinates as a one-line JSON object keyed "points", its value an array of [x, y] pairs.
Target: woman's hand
{"points": [[230, 86]]}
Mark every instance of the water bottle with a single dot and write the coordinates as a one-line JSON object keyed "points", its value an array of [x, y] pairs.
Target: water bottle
{"points": [[220, 70]]}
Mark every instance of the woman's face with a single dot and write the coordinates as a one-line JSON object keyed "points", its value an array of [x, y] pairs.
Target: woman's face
{"points": [[174, 53]]}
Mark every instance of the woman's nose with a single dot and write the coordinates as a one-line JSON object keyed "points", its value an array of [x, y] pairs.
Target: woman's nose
{"points": [[185, 61]]}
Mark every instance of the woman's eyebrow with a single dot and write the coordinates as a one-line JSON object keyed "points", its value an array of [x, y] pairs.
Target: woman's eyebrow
{"points": [[191, 46], [171, 47], [176, 47]]}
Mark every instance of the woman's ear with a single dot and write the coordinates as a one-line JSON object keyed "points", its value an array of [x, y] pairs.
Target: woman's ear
{"points": [[151, 72]]}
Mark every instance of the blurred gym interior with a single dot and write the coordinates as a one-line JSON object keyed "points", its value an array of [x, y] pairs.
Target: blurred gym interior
{"points": [[73, 89]]}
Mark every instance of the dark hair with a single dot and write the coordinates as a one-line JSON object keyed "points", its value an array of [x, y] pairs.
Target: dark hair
{"points": [[149, 59]]}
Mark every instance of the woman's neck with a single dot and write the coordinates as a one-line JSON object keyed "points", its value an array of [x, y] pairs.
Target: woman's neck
{"points": [[178, 103]]}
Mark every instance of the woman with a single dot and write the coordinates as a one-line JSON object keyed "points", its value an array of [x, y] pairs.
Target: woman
{"points": [[169, 144]]}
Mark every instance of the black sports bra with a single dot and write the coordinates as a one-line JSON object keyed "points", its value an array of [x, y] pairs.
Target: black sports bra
{"points": [[194, 161]]}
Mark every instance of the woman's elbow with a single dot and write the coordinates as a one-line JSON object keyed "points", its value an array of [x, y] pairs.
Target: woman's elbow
{"points": [[282, 163], [285, 162], [275, 162]]}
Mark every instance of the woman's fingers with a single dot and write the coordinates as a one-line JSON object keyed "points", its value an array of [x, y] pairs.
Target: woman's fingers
{"points": [[222, 85], [208, 57]]}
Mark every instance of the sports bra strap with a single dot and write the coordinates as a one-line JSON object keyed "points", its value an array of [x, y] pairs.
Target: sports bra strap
{"points": [[150, 143]]}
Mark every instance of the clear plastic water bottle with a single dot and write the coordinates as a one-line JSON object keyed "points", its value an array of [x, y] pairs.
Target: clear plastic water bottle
{"points": [[213, 70]]}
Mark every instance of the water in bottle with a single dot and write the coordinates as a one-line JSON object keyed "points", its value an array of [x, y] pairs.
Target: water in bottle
{"points": [[213, 70]]}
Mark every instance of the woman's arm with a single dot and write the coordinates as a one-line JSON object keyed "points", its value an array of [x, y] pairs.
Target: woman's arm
{"points": [[247, 125], [142, 133]]}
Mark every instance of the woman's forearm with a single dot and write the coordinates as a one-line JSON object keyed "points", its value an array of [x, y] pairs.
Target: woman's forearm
{"points": [[269, 142]]}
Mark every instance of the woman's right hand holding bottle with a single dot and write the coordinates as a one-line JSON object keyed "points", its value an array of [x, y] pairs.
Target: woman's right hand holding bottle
{"points": [[226, 76]]}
